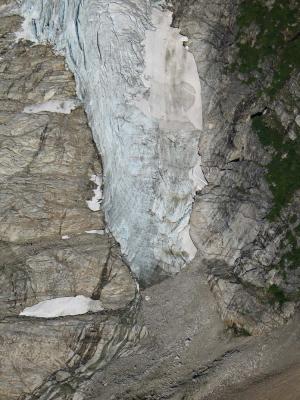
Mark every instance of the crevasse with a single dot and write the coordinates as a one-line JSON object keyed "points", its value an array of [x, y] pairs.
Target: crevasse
{"points": [[142, 95]]}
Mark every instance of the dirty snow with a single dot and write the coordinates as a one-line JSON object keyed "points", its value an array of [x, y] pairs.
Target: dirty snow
{"points": [[96, 231], [94, 203], [54, 106]]}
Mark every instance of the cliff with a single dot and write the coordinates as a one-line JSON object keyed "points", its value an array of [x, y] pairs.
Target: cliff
{"points": [[153, 143]]}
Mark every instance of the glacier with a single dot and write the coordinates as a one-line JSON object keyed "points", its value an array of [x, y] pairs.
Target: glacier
{"points": [[141, 92]]}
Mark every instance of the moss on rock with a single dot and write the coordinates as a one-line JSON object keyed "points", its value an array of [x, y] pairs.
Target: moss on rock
{"points": [[276, 295], [283, 172], [269, 35], [268, 48]]}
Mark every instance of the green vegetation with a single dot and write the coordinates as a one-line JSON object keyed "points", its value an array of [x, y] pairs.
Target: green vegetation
{"points": [[268, 42], [268, 54], [291, 252], [297, 230], [276, 295], [283, 172], [293, 219], [291, 258], [269, 36]]}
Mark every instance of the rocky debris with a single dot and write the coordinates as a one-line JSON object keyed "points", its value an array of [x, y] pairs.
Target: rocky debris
{"points": [[51, 244], [189, 353]]}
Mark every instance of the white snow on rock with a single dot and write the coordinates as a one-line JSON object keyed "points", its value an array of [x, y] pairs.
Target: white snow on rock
{"points": [[197, 177], [55, 106], [142, 95], [94, 203], [96, 231], [63, 306]]}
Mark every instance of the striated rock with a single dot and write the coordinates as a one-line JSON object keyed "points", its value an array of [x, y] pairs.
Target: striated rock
{"points": [[90, 266], [44, 174], [48, 359], [52, 245], [244, 311]]}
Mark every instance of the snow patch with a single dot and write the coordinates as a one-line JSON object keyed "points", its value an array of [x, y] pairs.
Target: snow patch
{"points": [[54, 106], [94, 203], [187, 243], [62, 307], [197, 177], [97, 231]]}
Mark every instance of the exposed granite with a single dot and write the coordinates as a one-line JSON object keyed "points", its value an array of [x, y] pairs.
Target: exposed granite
{"points": [[230, 226], [47, 159]]}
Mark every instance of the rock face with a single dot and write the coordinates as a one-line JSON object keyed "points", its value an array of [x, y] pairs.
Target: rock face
{"points": [[146, 119], [241, 233], [51, 244], [229, 217], [136, 77]]}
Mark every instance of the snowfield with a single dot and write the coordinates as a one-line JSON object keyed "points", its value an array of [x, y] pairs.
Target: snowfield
{"points": [[62, 307]]}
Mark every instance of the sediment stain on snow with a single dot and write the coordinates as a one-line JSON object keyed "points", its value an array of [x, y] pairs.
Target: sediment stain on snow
{"points": [[53, 106], [173, 98]]}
